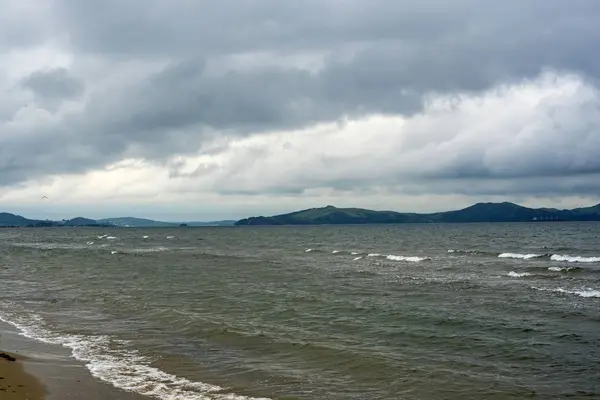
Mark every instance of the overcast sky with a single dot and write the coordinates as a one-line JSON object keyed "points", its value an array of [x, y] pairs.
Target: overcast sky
{"points": [[204, 110]]}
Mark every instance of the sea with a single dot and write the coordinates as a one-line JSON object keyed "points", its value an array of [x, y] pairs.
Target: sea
{"points": [[423, 311]]}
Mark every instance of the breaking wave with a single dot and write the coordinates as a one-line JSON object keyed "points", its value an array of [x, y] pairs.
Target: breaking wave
{"points": [[518, 274], [519, 256], [584, 292], [562, 269], [552, 257], [574, 259], [407, 259], [115, 362]]}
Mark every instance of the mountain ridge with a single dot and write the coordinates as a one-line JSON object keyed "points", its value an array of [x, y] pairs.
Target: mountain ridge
{"points": [[15, 220], [478, 212]]}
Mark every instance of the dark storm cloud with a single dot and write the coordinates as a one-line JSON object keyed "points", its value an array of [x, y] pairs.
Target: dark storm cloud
{"points": [[377, 57], [402, 50], [53, 86]]}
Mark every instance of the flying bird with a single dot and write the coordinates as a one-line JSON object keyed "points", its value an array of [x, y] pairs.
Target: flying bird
{"points": [[44, 197]]}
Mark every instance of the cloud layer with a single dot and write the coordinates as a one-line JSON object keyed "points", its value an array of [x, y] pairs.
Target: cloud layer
{"points": [[306, 100]]}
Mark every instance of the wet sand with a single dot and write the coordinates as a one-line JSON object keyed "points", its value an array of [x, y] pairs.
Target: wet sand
{"points": [[49, 372], [15, 383]]}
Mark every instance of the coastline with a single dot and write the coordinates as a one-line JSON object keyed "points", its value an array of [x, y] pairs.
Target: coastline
{"points": [[49, 372]]}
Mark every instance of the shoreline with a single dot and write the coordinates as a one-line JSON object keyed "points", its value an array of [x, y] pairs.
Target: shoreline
{"points": [[49, 372]]}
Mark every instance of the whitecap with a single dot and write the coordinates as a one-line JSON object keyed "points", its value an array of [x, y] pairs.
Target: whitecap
{"points": [[518, 274], [583, 292], [560, 269], [405, 258], [574, 259], [519, 256]]}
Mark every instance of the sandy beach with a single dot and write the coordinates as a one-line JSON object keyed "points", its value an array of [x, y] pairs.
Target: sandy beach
{"points": [[15, 383], [48, 372]]}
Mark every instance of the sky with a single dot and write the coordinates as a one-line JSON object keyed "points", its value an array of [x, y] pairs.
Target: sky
{"points": [[184, 110]]}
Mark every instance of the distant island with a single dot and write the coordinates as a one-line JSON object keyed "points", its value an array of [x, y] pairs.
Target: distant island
{"points": [[8, 220], [480, 212]]}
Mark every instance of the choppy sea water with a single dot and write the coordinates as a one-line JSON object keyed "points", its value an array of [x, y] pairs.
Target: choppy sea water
{"points": [[465, 311]]}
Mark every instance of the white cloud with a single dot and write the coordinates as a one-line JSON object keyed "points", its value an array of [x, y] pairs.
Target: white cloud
{"points": [[534, 141], [529, 130]]}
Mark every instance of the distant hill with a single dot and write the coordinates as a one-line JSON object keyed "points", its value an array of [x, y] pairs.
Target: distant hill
{"points": [[136, 222], [132, 222], [226, 222], [81, 221], [13, 220], [8, 219], [480, 212]]}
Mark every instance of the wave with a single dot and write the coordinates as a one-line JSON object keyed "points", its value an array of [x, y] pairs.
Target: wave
{"points": [[393, 257], [405, 258], [562, 269], [520, 256], [473, 252], [360, 255], [113, 361], [157, 249], [584, 292], [552, 257], [574, 259], [518, 274]]}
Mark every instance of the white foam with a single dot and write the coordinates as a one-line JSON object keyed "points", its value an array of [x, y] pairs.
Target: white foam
{"points": [[560, 269], [308, 250], [111, 237], [518, 274], [373, 255], [574, 259], [335, 251], [357, 258], [451, 251], [156, 249], [519, 256], [584, 292], [170, 237], [145, 237], [407, 259], [113, 252], [90, 243], [124, 368], [355, 253]]}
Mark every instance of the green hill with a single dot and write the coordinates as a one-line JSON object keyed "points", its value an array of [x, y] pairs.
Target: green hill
{"points": [[132, 222], [8, 219], [137, 222], [480, 212]]}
